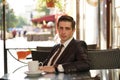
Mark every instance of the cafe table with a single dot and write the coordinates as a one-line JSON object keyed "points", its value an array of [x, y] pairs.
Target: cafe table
{"points": [[100, 74]]}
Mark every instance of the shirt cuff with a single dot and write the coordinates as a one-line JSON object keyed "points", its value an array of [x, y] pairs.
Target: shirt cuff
{"points": [[60, 68]]}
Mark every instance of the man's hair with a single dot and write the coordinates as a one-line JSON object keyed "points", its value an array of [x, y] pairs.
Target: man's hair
{"points": [[67, 18]]}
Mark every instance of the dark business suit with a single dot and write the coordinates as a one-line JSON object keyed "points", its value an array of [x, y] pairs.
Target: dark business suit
{"points": [[73, 58]]}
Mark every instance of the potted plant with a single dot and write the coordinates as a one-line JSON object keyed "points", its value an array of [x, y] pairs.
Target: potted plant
{"points": [[53, 3], [50, 3]]}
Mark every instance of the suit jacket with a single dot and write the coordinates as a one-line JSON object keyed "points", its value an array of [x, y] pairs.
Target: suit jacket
{"points": [[73, 58]]}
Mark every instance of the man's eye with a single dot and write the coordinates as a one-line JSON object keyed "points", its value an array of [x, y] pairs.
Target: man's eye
{"points": [[60, 28], [67, 28]]}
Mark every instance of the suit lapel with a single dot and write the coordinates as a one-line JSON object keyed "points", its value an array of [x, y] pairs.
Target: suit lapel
{"points": [[54, 50], [66, 52]]}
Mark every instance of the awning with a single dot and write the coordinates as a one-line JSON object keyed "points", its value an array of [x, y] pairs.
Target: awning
{"points": [[46, 18]]}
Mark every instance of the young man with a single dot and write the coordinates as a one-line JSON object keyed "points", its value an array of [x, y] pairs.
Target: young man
{"points": [[73, 56]]}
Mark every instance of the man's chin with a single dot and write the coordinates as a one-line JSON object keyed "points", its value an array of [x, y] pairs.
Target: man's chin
{"points": [[63, 40]]}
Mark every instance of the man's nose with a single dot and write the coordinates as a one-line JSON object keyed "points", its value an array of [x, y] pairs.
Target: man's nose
{"points": [[63, 31]]}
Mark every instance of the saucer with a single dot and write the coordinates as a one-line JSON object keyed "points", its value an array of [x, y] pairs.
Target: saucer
{"points": [[33, 74]]}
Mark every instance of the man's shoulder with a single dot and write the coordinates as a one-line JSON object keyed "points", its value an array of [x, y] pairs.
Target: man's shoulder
{"points": [[81, 43], [56, 45]]}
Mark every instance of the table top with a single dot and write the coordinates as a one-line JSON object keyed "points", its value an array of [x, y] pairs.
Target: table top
{"points": [[50, 76], [103, 74]]}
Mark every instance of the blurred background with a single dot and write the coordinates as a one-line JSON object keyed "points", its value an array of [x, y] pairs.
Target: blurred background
{"points": [[26, 24]]}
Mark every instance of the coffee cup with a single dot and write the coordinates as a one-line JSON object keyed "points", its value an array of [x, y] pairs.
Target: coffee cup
{"points": [[34, 65]]}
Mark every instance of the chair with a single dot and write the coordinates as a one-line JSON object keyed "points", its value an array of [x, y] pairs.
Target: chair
{"points": [[41, 48], [104, 59], [23, 54], [41, 56], [92, 46]]}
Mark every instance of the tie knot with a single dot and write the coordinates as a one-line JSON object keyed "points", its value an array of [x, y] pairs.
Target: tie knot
{"points": [[61, 45]]}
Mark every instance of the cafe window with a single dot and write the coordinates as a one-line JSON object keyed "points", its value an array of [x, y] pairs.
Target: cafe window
{"points": [[116, 23], [93, 22]]}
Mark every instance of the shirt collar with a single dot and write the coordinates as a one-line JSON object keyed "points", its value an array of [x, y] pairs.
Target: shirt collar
{"points": [[67, 42]]}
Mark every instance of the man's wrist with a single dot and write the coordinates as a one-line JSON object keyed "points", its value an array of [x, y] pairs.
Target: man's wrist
{"points": [[59, 68]]}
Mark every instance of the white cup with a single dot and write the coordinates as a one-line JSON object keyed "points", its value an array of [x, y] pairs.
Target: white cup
{"points": [[34, 65]]}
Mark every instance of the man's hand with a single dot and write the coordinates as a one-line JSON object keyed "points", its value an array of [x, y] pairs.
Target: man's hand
{"points": [[49, 69]]}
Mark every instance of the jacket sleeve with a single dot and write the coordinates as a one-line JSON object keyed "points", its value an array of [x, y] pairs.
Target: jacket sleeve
{"points": [[81, 62]]}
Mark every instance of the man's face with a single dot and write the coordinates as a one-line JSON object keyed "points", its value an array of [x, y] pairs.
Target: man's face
{"points": [[65, 30]]}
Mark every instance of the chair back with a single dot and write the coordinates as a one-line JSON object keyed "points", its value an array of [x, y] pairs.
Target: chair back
{"points": [[104, 59], [41, 56], [92, 46], [41, 48]]}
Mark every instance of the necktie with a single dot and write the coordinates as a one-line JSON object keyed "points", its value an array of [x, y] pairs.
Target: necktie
{"points": [[56, 55]]}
